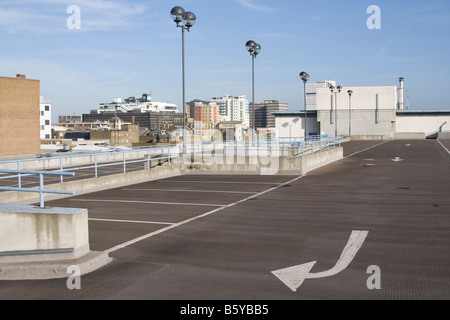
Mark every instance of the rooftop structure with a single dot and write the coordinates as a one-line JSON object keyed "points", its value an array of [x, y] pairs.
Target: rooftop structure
{"points": [[132, 104]]}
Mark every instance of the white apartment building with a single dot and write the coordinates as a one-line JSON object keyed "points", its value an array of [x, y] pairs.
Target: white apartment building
{"points": [[233, 108], [45, 119]]}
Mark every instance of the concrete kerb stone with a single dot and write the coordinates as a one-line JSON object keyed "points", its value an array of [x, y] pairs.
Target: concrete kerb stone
{"points": [[45, 270]]}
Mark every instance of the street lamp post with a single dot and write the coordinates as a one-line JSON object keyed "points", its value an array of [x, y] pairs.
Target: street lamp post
{"points": [[350, 92], [185, 21], [254, 49], [335, 91], [305, 77]]}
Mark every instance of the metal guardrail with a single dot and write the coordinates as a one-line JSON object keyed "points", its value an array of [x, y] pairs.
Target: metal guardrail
{"points": [[138, 153], [41, 189], [280, 147]]}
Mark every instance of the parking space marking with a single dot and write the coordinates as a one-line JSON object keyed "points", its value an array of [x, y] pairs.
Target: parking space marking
{"points": [[443, 147], [151, 234], [232, 182], [151, 202], [355, 153], [202, 191], [131, 221]]}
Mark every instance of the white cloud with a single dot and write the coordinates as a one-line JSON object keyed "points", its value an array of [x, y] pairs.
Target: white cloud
{"points": [[254, 5], [49, 16]]}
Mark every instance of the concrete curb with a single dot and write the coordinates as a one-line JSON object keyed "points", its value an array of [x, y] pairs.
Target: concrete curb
{"points": [[53, 269]]}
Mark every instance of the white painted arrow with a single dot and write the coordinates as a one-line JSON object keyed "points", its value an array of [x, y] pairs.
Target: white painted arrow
{"points": [[397, 159], [293, 277]]}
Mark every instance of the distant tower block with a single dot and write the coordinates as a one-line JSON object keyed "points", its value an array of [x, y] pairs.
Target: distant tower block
{"points": [[401, 102]]}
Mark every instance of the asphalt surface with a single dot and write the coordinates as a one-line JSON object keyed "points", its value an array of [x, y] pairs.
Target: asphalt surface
{"points": [[219, 237]]}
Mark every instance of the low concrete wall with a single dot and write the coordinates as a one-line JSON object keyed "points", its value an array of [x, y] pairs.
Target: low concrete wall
{"points": [[28, 233], [370, 138], [92, 184], [444, 135], [409, 136], [267, 165]]}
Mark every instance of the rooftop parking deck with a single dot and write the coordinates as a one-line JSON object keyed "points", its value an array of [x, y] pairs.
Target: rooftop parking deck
{"points": [[221, 236]]}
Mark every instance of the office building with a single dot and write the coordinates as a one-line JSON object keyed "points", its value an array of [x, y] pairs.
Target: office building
{"points": [[264, 117]]}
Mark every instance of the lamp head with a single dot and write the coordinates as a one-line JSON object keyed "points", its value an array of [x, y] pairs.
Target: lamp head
{"points": [[189, 20], [177, 14], [304, 76]]}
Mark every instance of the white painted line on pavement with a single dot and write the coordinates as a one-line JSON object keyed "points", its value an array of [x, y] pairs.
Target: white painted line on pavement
{"points": [[443, 147], [151, 202], [355, 153], [236, 182], [131, 221], [151, 234], [202, 191]]}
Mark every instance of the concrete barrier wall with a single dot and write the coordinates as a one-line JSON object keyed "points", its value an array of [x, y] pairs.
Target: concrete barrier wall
{"points": [[266, 165], [444, 135], [370, 138], [409, 136], [28, 233]]}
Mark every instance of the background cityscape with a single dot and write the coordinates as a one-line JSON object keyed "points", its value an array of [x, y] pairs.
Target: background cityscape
{"points": [[128, 47]]}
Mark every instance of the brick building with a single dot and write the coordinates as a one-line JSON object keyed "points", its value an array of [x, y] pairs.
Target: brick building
{"points": [[19, 116]]}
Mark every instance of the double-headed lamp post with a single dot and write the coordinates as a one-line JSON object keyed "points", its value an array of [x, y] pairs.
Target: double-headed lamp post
{"points": [[350, 93], [335, 91], [185, 21], [305, 77], [254, 49]]}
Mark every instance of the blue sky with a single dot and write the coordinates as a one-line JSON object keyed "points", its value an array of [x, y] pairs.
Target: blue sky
{"points": [[125, 48]]}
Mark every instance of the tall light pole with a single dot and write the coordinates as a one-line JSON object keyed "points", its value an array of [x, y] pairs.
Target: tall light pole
{"points": [[185, 21], [350, 92], [254, 50], [335, 91], [305, 77]]}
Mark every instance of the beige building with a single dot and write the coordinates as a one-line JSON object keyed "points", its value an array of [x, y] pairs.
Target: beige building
{"points": [[19, 116], [125, 137]]}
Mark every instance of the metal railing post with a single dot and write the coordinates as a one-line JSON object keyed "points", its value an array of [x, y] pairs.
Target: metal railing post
{"points": [[95, 166], [41, 188], [124, 164], [61, 169], [19, 177]]}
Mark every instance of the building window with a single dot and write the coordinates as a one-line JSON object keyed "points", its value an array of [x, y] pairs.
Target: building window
{"points": [[42, 113], [42, 127], [47, 122], [47, 108], [47, 136]]}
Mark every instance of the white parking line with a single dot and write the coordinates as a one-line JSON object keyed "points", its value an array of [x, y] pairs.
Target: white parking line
{"points": [[151, 202], [131, 221], [232, 182], [443, 147], [151, 234], [202, 191], [355, 153]]}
